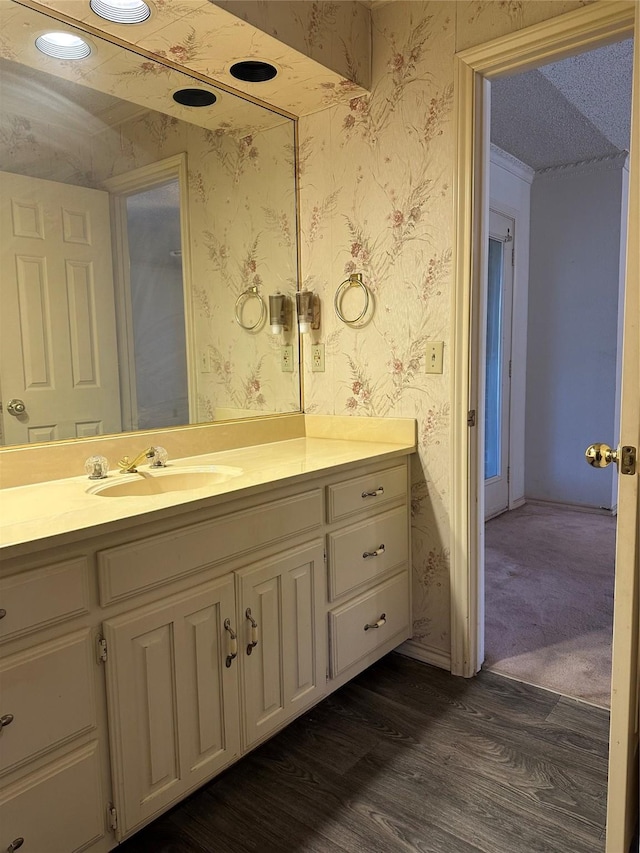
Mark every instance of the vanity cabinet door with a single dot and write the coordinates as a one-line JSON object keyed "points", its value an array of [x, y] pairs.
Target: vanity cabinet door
{"points": [[285, 671], [173, 701]]}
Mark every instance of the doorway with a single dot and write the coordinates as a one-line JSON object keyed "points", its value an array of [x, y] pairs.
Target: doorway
{"points": [[153, 294], [570, 33], [549, 566]]}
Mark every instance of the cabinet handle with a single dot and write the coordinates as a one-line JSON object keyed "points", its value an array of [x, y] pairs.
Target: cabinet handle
{"points": [[379, 550], [6, 720], [233, 643], [381, 621], [16, 844], [379, 491], [3, 612], [254, 631]]}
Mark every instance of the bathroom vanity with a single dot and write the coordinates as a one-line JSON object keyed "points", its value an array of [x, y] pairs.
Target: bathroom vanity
{"points": [[146, 643]]}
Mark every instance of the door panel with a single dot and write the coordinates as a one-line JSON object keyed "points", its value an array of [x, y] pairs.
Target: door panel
{"points": [[59, 350], [173, 704], [286, 670], [622, 803]]}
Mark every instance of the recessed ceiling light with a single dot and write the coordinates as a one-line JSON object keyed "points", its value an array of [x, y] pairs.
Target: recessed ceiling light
{"points": [[121, 11], [63, 46], [194, 97], [253, 71]]}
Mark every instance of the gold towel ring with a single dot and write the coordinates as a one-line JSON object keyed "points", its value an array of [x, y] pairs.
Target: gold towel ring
{"points": [[250, 293], [354, 280]]}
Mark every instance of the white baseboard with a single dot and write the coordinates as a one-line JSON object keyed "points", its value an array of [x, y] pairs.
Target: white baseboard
{"points": [[426, 654], [518, 502], [594, 510]]}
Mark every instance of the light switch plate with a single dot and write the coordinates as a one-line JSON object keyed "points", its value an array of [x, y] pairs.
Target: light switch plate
{"points": [[434, 355]]}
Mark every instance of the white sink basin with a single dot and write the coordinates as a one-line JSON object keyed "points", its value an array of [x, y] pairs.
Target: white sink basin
{"points": [[162, 481]]}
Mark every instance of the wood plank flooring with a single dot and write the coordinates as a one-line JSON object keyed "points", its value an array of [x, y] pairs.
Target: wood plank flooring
{"points": [[409, 758]]}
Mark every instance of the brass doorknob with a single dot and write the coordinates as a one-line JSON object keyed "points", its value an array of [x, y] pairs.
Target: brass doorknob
{"points": [[600, 455]]}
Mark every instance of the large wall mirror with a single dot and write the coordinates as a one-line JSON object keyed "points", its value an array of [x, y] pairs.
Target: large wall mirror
{"points": [[140, 240]]}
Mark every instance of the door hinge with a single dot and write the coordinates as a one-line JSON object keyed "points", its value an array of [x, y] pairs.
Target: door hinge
{"points": [[112, 815], [508, 474], [509, 368], [102, 649], [471, 418], [324, 553]]}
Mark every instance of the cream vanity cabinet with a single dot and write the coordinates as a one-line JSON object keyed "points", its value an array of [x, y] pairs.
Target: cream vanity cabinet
{"points": [[138, 663]]}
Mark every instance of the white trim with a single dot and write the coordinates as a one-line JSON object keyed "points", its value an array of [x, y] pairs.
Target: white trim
{"points": [[121, 186], [511, 164], [612, 162], [426, 654], [591, 510]]}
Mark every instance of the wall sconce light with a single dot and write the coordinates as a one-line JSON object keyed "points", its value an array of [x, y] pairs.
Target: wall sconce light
{"points": [[308, 307], [278, 312]]}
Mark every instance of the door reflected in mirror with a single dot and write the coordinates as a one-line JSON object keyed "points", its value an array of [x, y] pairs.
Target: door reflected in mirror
{"points": [[130, 227]]}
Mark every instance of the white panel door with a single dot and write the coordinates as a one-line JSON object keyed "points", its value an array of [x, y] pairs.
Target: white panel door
{"points": [[622, 802], [285, 671], [173, 701], [58, 350]]}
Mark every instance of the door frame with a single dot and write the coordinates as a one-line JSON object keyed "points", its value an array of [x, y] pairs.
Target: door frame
{"points": [[574, 32], [120, 187]]}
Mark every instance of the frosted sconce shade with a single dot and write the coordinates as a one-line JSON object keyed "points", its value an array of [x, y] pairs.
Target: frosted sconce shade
{"points": [[277, 312], [304, 304]]}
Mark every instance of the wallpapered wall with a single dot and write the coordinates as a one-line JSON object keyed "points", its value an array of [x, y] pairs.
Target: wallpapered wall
{"points": [[376, 197]]}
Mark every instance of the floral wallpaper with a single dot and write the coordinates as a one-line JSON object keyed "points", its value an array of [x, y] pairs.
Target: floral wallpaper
{"points": [[376, 198]]}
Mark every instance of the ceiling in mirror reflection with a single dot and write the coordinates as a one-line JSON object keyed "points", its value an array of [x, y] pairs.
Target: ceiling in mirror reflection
{"points": [[111, 127]]}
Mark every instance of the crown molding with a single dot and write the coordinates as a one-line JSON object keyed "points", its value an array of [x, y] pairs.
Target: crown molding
{"points": [[608, 163], [507, 161]]}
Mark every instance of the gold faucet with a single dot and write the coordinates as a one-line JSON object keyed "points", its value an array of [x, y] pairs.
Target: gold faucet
{"points": [[127, 467]]}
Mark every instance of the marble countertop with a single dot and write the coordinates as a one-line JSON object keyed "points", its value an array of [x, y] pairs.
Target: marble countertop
{"points": [[31, 516]]}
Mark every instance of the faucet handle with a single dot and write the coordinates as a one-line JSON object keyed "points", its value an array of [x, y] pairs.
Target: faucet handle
{"points": [[158, 457], [96, 467]]}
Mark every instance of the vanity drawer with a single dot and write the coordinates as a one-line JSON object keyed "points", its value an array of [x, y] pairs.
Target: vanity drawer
{"points": [[384, 535], [59, 809], [366, 493], [48, 690], [35, 599], [149, 563], [351, 640]]}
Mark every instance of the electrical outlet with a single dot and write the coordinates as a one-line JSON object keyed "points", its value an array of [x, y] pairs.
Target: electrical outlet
{"points": [[317, 358], [286, 358], [434, 357]]}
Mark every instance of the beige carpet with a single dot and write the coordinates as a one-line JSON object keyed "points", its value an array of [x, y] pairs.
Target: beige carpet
{"points": [[549, 599]]}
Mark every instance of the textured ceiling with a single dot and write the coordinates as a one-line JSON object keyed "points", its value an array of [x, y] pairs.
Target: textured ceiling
{"points": [[576, 109]]}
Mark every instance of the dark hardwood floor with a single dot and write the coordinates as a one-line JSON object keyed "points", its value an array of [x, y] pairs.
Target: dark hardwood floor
{"points": [[408, 758]]}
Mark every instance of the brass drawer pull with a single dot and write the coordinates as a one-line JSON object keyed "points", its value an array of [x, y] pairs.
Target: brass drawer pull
{"points": [[6, 720], [16, 844], [379, 550], [254, 631], [381, 621], [233, 643], [379, 491]]}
